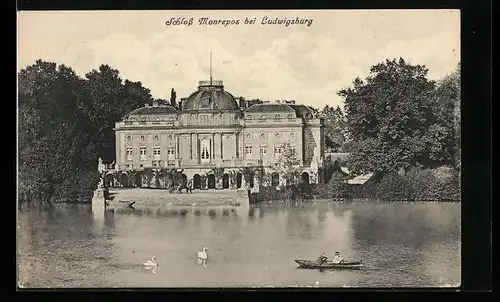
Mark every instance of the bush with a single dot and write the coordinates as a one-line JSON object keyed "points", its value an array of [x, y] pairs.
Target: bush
{"points": [[393, 187], [421, 185], [449, 189]]}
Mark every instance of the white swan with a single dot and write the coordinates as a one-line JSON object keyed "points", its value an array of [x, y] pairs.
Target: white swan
{"points": [[150, 263], [203, 254]]}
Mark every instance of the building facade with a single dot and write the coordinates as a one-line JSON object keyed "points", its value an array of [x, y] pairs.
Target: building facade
{"points": [[211, 129]]}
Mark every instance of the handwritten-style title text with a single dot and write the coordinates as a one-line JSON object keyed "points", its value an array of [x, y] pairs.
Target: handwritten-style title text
{"points": [[205, 21]]}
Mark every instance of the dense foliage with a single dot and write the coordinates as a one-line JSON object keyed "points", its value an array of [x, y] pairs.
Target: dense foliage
{"points": [[336, 134], [65, 123], [398, 119]]}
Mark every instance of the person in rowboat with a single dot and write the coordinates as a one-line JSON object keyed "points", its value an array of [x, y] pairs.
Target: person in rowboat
{"points": [[322, 259], [337, 258]]}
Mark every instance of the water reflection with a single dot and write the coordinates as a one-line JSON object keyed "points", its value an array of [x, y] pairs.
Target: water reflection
{"points": [[401, 245], [202, 262]]}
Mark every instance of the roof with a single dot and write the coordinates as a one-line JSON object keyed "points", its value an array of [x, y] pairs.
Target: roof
{"points": [[265, 108], [359, 180], [210, 97], [301, 110], [154, 110]]}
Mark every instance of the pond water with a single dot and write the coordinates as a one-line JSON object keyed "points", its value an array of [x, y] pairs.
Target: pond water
{"points": [[401, 245]]}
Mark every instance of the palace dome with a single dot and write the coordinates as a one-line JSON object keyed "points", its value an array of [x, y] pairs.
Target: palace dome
{"points": [[210, 96]]}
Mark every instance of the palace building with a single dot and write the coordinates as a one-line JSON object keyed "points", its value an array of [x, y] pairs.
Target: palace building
{"points": [[212, 129]]}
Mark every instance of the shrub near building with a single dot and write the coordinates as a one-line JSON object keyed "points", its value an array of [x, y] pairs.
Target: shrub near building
{"points": [[441, 184]]}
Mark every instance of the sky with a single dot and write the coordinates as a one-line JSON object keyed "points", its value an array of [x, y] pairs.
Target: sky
{"points": [[309, 64]]}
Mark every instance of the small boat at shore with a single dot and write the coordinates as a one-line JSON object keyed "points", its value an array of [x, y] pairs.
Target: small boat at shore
{"points": [[120, 204], [312, 264]]}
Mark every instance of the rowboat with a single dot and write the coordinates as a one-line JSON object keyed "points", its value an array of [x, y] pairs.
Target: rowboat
{"points": [[120, 204], [311, 264]]}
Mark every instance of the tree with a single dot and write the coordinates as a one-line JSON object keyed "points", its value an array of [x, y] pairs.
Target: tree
{"points": [[248, 174], [392, 120], [173, 96], [147, 176], [111, 101], [263, 178], [218, 173], [288, 165], [54, 133], [335, 127], [65, 124], [172, 177], [448, 93]]}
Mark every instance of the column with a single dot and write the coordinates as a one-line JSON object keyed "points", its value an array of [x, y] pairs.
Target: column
{"points": [[213, 146], [197, 147], [177, 145], [191, 146], [221, 146], [236, 144]]}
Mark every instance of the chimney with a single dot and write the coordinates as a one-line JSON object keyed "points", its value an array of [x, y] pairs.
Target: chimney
{"points": [[155, 103]]}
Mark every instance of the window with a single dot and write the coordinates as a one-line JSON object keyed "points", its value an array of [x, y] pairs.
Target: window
{"points": [[249, 117], [128, 166], [277, 135], [156, 121], [262, 117], [156, 153], [129, 154], [263, 150], [292, 135], [143, 121], [248, 150], [262, 136], [171, 152], [291, 118], [293, 149], [129, 138], [143, 153], [141, 165], [142, 137], [277, 150], [205, 155], [277, 118], [154, 164], [170, 137], [248, 135], [156, 137]]}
